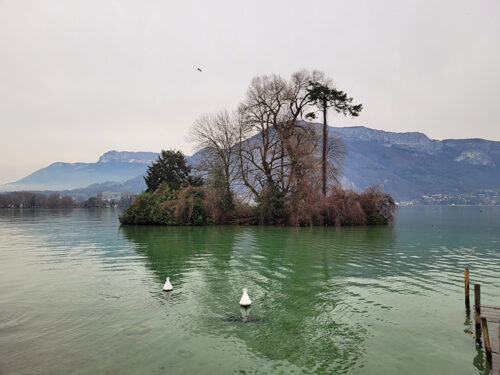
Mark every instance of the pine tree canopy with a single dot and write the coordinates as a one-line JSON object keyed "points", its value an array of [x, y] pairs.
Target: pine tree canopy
{"points": [[170, 168]]}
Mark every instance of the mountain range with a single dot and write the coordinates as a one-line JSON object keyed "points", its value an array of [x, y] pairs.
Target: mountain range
{"points": [[410, 166], [112, 166]]}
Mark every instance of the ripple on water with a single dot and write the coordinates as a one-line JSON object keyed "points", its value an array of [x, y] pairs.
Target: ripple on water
{"points": [[325, 300], [135, 330], [13, 321]]}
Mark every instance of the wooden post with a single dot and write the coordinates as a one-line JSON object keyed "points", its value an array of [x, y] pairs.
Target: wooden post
{"points": [[477, 311], [486, 336], [467, 294]]}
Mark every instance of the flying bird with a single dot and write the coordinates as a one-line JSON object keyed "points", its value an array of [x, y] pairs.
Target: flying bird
{"points": [[199, 69]]}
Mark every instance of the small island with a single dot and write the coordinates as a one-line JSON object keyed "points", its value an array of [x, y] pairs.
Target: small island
{"points": [[263, 164]]}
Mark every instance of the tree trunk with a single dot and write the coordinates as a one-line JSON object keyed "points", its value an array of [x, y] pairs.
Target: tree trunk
{"points": [[325, 144]]}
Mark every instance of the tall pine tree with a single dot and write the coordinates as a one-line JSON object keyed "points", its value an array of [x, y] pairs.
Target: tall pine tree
{"points": [[325, 97]]}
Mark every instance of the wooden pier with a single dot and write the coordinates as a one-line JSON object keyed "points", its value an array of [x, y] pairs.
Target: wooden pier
{"points": [[484, 315]]}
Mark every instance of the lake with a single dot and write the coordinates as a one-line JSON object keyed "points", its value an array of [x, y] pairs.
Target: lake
{"points": [[81, 295]]}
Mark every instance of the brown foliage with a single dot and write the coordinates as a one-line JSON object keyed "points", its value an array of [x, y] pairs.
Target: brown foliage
{"points": [[344, 208], [374, 200], [243, 213], [211, 202], [189, 206], [206, 202], [340, 207]]}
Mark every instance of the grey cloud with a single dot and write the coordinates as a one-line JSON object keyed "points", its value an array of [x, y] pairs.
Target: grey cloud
{"points": [[78, 78]]}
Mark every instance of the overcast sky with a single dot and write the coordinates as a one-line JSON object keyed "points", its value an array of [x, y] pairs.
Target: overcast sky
{"points": [[79, 78]]}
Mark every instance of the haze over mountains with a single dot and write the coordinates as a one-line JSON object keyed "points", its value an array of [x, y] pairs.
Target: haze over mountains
{"points": [[413, 167], [410, 166], [111, 166]]}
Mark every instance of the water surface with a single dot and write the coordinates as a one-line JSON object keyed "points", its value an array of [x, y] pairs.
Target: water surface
{"points": [[80, 295]]}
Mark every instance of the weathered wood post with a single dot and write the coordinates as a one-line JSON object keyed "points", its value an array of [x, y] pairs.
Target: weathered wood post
{"points": [[486, 337], [467, 294], [477, 311]]}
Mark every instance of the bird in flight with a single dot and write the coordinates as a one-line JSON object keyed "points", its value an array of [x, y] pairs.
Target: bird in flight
{"points": [[199, 69]]}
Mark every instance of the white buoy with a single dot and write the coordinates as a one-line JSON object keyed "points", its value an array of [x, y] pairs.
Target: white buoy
{"points": [[245, 300], [167, 287]]}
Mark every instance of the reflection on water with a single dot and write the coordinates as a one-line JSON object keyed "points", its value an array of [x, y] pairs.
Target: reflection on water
{"points": [[168, 295], [384, 300], [296, 277], [245, 313]]}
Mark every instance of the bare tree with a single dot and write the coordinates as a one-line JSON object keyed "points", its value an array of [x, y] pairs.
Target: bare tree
{"points": [[260, 148], [215, 135], [273, 135]]}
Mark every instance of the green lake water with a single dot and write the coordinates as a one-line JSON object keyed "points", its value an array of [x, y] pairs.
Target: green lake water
{"points": [[80, 295]]}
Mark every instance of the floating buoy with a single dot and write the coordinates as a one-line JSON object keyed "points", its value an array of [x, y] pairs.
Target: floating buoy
{"points": [[245, 300], [167, 287]]}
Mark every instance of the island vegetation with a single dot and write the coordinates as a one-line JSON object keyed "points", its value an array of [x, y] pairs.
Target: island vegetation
{"points": [[264, 163]]}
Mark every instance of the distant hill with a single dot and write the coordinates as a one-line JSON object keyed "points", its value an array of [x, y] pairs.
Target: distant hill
{"points": [[109, 189], [112, 166], [410, 166]]}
